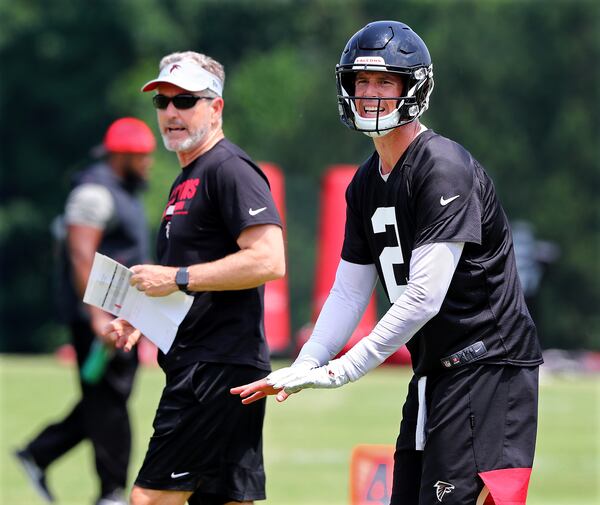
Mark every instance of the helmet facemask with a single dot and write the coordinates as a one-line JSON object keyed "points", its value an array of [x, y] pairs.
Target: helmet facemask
{"points": [[418, 84]]}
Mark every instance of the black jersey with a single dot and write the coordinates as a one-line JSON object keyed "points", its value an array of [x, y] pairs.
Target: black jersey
{"points": [[212, 201], [438, 192]]}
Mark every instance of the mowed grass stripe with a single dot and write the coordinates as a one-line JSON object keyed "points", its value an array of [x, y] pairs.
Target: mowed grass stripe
{"points": [[308, 439]]}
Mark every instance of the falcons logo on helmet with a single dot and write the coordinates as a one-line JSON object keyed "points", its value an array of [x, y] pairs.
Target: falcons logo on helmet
{"points": [[442, 489]]}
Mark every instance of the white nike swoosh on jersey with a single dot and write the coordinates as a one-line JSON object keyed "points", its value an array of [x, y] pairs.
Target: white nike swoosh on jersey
{"points": [[444, 202], [253, 212], [177, 475]]}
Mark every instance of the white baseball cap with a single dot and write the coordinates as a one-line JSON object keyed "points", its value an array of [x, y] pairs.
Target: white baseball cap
{"points": [[187, 75]]}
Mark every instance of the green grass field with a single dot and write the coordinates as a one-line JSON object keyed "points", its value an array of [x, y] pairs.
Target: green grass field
{"points": [[308, 439]]}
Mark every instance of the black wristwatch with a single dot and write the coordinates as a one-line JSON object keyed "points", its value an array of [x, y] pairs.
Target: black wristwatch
{"points": [[182, 279]]}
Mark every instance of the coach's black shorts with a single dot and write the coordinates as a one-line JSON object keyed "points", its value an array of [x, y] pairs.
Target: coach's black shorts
{"points": [[480, 426], [204, 439]]}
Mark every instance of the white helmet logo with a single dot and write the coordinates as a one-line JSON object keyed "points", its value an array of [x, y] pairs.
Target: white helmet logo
{"points": [[365, 60], [368, 63]]}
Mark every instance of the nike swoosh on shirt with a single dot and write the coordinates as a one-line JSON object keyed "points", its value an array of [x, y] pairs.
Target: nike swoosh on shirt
{"points": [[444, 202], [253, 212], [177, 475]]}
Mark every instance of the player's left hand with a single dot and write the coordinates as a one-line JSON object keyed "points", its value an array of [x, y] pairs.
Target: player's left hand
{"points": [[154, 280]]}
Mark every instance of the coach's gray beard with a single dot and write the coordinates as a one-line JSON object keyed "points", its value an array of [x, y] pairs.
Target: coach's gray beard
{"points": [[185, 145]]}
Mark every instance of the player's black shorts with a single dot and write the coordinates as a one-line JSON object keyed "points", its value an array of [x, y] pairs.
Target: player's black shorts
{"points": [[480, 426], [204, 439]]}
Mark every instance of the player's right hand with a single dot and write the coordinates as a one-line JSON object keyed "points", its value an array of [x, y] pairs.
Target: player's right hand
{"points": [[272, 384], [249, 393], [280, 378]]}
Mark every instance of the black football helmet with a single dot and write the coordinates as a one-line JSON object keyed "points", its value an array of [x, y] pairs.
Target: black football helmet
{"points": [[385, 46]]}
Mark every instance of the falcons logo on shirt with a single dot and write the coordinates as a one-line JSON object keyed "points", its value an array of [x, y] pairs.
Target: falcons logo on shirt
{"points": [[442, 489]]}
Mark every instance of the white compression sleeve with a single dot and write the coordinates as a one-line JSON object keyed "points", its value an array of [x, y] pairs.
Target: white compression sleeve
{"points": [[341, 312], [431, 269]]}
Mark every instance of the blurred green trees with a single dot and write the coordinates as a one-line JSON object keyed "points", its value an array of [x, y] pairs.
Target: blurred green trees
{"points": [[517, 83]]}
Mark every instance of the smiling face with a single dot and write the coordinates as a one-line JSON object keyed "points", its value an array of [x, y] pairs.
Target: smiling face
{"points": [[380, 85], [184, 129]]}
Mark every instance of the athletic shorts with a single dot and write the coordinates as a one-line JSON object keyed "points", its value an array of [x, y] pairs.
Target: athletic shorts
{"points": [[467, 437], [204, 439]]}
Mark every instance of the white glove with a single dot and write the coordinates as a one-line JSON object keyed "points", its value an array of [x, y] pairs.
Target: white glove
{"points": [[279, 378], [328, 376]]}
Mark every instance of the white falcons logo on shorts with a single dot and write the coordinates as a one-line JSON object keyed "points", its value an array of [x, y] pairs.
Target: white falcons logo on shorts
{"points": [[442, 489]]}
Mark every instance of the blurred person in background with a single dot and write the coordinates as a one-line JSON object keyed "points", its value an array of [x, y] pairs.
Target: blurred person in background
{"points": [[220, 240], [424, 218], [104, 214]]}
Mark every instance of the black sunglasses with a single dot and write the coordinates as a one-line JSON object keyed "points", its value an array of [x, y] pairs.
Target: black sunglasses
{"points": [[182, 101]]}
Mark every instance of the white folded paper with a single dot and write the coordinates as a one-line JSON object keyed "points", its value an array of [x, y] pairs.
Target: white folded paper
{"points": [[158, 318]]}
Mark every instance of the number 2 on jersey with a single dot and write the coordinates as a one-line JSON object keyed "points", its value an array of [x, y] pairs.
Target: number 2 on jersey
{"points": [[390, 256]]}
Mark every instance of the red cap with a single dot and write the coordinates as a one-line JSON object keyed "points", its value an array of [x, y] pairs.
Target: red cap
{"points": [[129, 135]]}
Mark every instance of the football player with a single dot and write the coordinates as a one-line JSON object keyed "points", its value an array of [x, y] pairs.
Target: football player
{"points": [[423, 217]]}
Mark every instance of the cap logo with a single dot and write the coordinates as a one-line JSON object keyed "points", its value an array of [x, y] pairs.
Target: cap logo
{"points": [[188, 75]]}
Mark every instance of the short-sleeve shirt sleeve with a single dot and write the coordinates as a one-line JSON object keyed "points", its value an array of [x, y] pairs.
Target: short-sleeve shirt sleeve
{"points": [[243, 196], [90, 205], [447, 200]]}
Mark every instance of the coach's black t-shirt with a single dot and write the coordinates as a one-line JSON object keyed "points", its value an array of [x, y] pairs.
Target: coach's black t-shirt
{"points": [[214, 198], [438, 192]]}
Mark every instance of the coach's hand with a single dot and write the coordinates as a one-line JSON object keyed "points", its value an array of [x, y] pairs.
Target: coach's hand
{"points": [[154, 280], [122, 334], [99, 321]]}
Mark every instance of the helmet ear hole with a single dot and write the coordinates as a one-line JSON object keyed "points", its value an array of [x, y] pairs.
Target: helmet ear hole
{"points": [[424, 92]]}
